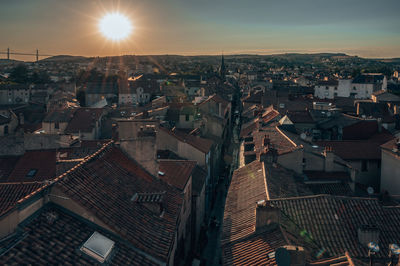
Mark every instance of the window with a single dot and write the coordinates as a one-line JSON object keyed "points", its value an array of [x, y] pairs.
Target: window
{"points": [[6, 130], [335, 88], [56, 125], [354, 88], [364, 165], [98, 247], [31, 173], [326, 88], [187, 117]]}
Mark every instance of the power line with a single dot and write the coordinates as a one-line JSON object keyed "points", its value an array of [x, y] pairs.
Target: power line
{"points": [[37, 55]]}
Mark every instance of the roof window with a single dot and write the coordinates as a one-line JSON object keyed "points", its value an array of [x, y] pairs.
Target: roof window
{"points": [[31, 173], [98, 247]]}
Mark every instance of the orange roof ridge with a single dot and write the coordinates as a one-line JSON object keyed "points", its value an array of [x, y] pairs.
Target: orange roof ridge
{"points": [[48, 183], [289, 139]]}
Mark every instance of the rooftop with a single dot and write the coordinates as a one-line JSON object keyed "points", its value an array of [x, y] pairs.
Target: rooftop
{"points": [[176, 172], [107, 192], [202, 144], [55, 236], [84, 120]]}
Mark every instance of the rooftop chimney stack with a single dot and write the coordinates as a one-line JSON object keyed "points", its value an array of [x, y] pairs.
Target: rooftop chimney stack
{"points": [[367, 234], [329, 159], [138, 140], [267, 216]]}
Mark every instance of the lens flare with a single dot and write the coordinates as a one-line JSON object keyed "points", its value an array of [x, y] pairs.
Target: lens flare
{"points": [[115, 26]]}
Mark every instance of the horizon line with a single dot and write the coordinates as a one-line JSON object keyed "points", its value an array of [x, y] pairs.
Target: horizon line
{"points": [[210, 54]]}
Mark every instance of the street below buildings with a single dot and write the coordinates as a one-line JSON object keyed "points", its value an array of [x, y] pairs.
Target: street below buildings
{"points": [[212, 252]]}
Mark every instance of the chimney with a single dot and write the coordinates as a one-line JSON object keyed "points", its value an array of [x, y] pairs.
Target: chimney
{"points": [[379, 120], [367, 234], [329, 158], [21, 119], [267, 216], [296, 254], [138, 140], [269, 154], [266, 141]]}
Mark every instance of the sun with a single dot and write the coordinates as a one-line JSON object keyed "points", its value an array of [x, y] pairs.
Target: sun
{"points": [[115, 26]]}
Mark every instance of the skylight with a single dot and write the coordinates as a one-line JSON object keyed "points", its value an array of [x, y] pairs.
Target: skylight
{"points": [[98, 247], [31, 173]]}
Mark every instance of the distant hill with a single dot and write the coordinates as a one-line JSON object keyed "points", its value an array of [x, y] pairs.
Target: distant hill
{"points": [[9, 61], [63, 58]]}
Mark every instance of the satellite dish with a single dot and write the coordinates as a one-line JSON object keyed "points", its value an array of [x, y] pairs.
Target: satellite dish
{"points": [[282, 257], [370, 190]]}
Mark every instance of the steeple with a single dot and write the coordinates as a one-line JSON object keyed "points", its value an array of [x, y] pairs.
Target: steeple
{"points": [[222, 69]]}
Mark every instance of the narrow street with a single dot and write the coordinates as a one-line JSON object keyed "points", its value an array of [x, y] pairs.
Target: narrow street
{"points": [[211, 254]]}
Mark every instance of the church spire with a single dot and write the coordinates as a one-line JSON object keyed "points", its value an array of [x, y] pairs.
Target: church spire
{"points": [[222, 69]]}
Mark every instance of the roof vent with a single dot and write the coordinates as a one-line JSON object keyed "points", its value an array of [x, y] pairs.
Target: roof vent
{"points": [[98, 247]]}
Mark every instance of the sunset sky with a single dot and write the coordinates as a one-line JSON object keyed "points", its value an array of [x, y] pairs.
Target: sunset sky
{"points": [[358, 27]]}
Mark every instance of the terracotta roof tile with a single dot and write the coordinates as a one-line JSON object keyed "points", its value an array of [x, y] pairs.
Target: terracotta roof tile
{"points": [[255, 250], [277, 139], [40, 164], [7, 165], [202, 144], [354, 150], [84, 120], [176, 172], [331, 222], [247, 187], [55, 237], [300, 117], [11, 193], [105, 185], [281, 183], [360, 130]]}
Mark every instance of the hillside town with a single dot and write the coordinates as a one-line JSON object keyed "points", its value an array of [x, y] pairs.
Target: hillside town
{"points": [[290, 159]]}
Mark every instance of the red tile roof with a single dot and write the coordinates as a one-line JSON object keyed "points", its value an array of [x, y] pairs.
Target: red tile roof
{"points": [[330, 223], [7, 165], [176, 172], [255, 250], [354, 150], [281, 183], [84, 120], [247, 187], [266, 117], [44, 162], [269, 116], [300, 117], [277, 138], [202, 144], [11, 193], [218, 99], [54, 237], [360, 130], [105, 185]]}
